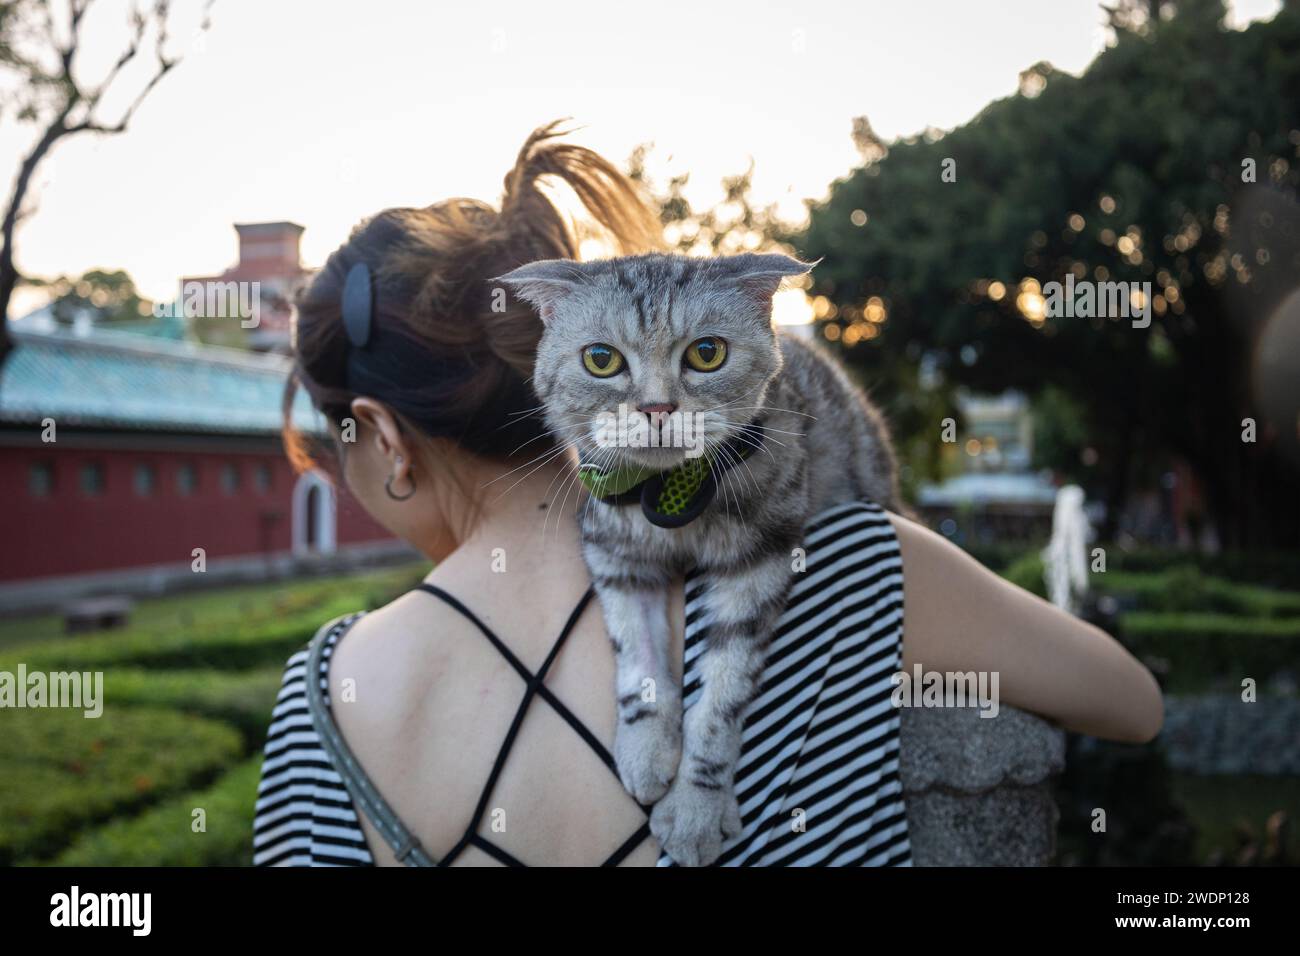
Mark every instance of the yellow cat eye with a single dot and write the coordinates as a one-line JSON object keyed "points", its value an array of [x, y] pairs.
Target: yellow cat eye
{"points": [[706, 354], [602, 360]]}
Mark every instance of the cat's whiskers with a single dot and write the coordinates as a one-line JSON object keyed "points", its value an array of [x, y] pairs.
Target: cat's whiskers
{"points": [[549, 457], [774, 408], [572, 482], [549, 432]]}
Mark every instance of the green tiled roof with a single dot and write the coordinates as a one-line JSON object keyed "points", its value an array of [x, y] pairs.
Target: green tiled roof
{"points": [[119, 380]]}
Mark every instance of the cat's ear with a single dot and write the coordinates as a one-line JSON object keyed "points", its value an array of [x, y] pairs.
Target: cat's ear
{"points": [[761, 273], [544, 283]]}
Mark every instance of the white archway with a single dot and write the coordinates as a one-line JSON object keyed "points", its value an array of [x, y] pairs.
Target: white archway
{"points": [[313, 515]]}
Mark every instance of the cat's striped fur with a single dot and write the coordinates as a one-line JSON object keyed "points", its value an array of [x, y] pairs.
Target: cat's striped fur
{"points": [[825, 444]]}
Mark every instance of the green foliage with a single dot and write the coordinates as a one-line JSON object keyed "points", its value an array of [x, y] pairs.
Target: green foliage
{"points": [[225, 629], [1145, 147], [1185, 587], [189, 688], [1193, 627], [242, 698], [164, 835], [64, 771], [1061, 434], [105, 296], [1027, 573], [1274, 569], [1200, 649]]}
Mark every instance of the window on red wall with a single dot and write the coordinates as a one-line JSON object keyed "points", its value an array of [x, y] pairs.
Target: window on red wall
{"points": [[187, 479], [145, 480], [262, 477], [230, 478], [92, 479], [40, 479]]}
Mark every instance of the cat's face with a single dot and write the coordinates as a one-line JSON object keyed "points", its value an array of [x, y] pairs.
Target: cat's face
{"points": [[651, 359]]}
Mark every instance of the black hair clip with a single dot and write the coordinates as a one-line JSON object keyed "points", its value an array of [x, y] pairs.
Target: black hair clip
{"points": [[358, 304]]}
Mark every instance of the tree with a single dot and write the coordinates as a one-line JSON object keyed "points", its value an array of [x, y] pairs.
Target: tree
{"points": [[107, 297], [39, 43], [1132, 172]]}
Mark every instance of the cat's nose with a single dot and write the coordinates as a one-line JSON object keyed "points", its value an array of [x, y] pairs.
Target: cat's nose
{"points": [[666, 408]]}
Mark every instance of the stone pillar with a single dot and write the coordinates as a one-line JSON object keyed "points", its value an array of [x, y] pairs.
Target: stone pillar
{"points": [[978, 789]]}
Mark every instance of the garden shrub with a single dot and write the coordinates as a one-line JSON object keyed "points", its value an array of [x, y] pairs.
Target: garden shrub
{"points": [[164, 835], [64, 771], [1027, 572], [242, 698]]}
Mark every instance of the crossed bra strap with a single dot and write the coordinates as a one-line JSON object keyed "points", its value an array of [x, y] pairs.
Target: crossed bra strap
{"points": [[365, 795]]}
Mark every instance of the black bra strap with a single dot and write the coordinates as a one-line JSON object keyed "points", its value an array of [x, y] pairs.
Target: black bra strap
{"points": [[529, 678], [365, 795], [388, 823], [630, 844]]}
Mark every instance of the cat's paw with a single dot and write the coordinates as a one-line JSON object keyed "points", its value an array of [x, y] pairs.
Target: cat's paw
{"points": [[646, 753], [692, 822]]}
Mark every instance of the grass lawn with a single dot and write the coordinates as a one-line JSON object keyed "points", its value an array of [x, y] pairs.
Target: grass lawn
{"points": [[188, 688], [242, 605]]}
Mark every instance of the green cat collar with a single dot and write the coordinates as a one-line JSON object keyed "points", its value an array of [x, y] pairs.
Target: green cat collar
{"points": [[676, 497]]}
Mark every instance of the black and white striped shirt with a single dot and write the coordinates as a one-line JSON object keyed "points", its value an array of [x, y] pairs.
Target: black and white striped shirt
{"points": [[818, 780]]}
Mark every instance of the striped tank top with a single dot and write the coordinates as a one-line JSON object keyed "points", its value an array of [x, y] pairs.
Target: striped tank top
{"points": [[817, 780]]}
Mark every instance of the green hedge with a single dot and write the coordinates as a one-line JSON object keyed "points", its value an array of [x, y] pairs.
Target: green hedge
{"points": [[1185, 588], [242, 698], [1267, 569], [164, 835], [1277, 569], [211, 632], [231, 647], [63, 771], [1027, 572], [1205, 647]]}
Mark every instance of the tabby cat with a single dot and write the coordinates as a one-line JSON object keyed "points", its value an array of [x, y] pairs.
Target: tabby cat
{"points": [[706, 438]]}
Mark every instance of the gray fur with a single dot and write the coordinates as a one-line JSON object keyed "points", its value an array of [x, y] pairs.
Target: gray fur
{"points": [[826, 444]]}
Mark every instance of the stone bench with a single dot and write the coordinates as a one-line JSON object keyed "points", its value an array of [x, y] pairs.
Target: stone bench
{"points": [[978, 789], [96, 614]]}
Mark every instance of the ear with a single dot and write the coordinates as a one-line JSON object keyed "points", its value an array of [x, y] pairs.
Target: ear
{"points": [[387, 435], [761, 274], [545, 283]]}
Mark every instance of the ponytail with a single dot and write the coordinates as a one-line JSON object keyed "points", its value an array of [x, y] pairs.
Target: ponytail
{"points": [[431, 268]]}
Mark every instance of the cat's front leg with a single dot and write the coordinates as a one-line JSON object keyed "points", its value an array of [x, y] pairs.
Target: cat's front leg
{"points": [[700, 811], [648, 739]]}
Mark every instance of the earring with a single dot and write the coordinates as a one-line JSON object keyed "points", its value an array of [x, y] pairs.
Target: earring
{"points": [[388, 485]]}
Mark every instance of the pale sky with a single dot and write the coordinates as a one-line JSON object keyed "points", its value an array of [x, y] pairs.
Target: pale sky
{"points": [[326, 112]]}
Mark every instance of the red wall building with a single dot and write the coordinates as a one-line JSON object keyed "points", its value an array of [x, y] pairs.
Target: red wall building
{"points": [[158, 448]]}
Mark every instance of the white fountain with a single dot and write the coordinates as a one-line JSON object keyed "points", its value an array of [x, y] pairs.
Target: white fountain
{"points": [[1065, 559]]}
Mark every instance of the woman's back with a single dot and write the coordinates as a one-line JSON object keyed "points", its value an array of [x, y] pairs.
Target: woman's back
{"points": [[425, 701], [435, 701]]}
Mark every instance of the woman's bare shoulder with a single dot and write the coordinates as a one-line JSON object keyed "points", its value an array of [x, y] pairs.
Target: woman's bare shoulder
{"points": [[389, 658], [960, 616]]}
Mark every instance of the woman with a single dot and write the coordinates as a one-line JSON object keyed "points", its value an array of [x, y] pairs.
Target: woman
{"points": [[471, 719]]}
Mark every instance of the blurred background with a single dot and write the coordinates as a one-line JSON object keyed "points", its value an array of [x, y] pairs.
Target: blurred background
{"points": [[946, 161]]}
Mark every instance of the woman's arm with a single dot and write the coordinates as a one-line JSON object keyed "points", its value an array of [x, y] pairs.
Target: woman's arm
{"points": [[959, 616]]}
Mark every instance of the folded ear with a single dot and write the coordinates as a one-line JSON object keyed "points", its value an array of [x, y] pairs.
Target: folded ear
{"points": [[544, 283], [761, 273]]}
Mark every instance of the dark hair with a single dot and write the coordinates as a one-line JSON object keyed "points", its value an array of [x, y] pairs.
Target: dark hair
{"points": [[442, 347]]}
